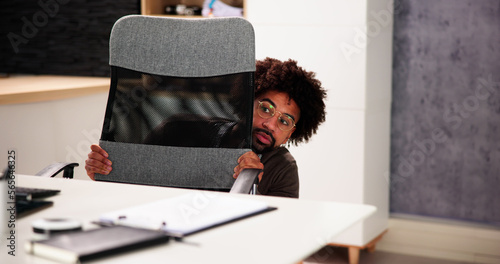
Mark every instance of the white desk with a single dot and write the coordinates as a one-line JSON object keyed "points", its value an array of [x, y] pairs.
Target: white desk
{"points": [[294, 231]]}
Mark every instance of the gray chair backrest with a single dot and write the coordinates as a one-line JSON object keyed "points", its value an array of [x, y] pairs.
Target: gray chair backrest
{"points": [[180, 105]]}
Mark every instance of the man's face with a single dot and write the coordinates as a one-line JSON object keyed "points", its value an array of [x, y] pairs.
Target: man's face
{"points": [[267, 132]]}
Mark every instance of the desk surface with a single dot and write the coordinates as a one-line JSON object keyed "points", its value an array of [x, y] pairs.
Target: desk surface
{"points": [[37, 88], [294, 231]]}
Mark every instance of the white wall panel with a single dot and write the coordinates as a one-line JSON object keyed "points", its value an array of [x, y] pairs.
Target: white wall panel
{"points": [[311, 12], [52, 131], [330, 166], [319, 49]]}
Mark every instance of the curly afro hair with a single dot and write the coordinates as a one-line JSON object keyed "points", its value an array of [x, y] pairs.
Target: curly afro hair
{"points": [[274, 75]]}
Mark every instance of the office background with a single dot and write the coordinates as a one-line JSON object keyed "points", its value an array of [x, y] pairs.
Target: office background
{"points": [[443, 51]]}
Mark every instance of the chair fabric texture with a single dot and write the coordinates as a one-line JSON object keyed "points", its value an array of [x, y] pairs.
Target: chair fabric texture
{"points": [[180, 105], [169, 46]]}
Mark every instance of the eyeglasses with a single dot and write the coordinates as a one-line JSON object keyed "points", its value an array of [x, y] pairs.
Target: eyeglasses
{"points": [[266, 110]]}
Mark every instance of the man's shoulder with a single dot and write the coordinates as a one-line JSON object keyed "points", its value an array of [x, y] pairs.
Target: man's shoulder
{"points": [[278, 155], [280, 174]]}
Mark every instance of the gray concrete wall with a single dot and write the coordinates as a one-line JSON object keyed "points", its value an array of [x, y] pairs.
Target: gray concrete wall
{"points": [[445, 135]]}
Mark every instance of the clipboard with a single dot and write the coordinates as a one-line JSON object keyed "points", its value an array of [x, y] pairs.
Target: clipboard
{"points": [[187, 214]]}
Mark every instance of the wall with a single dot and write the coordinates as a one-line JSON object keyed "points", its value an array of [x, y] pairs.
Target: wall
{"points": [[51, 131], [445, 140]]}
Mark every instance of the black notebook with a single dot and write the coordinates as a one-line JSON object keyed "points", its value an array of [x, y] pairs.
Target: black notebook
{"points": [[24, 208], [25, 193], [75, 247], [28, 200]]}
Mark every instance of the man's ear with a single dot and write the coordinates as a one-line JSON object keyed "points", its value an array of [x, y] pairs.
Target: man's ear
{"points": [[289, 135]]}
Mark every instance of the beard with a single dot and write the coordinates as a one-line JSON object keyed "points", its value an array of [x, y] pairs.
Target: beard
{"points": [[260, 147]]}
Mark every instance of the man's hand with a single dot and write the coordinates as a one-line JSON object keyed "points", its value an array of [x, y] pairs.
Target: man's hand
{"points": [[97, 162], [249, 160]]}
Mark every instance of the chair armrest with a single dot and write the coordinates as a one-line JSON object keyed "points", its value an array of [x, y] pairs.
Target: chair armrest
{"points": [[53, 169], [245, 181]]}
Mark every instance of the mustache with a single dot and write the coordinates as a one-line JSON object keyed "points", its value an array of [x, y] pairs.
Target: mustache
{"points": [[262, 149], [266, 132]]}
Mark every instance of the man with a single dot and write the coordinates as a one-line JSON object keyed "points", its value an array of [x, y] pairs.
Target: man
{"points": [[288, 107]]}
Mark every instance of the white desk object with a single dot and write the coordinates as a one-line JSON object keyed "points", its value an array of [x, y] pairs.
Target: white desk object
{"points": [[294, 231]]}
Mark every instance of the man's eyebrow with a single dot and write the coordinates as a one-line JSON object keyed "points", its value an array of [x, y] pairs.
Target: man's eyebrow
{"points": [[271, 102]]}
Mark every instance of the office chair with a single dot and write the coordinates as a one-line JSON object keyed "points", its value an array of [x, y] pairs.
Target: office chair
{"points": [[53, 169], [180, 105]]}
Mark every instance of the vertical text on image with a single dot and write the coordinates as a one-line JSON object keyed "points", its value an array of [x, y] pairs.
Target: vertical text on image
{"points": [[10, 204]]}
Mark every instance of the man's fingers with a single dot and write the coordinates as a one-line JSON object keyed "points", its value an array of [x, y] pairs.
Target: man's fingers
{"points": [[92, 170], [97, 162], [249, 155], [97, 166], [90, 174], [98, 158], [249, 160], [98, 149]]}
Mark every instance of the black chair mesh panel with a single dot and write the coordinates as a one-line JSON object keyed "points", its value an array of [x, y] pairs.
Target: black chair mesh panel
{"points": [[186, 112]]}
